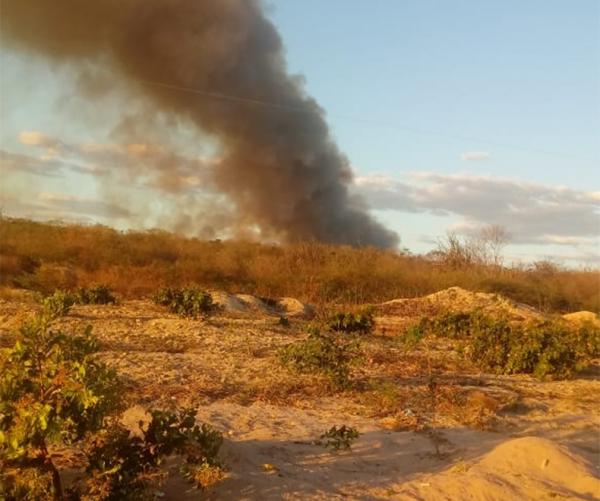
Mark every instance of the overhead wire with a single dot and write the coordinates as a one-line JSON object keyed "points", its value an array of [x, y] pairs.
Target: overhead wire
{"points": [[357, 119]]}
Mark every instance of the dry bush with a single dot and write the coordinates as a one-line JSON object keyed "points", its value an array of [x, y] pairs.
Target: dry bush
{"points": [[46, 256]]}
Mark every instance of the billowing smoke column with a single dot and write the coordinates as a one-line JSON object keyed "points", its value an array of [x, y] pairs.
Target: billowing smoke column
{"points": [[280, 166]]}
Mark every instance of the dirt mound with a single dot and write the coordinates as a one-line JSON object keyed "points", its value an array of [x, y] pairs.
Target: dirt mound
{"points": [[249, 304], [255, 304], [582, 317], [458, 300], [522, 468], [290, 307], [228, 302], [399, 313]]}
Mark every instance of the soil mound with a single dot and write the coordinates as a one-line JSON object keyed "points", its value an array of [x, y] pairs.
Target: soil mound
{"points": [[249, 304], [457, 299], [582, 317], [522, 468], [290, 307], [398, 314]]}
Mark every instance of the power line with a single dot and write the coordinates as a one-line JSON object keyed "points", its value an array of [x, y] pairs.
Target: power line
{"points": [[357, 119]]}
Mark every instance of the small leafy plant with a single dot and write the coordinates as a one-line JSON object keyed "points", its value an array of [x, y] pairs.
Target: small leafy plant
{"points": [[128, 466], [55, 393], [100, 294], [339, 438], [352, 323], [58, 304], [190, 302], [52, 391], [326, 353], [413, 335]]}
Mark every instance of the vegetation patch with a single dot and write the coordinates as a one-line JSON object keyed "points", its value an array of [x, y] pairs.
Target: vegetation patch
{"points": [[58, 304], [46, 256], [352, 323], [127, 466], [326, 353], [190, 302], [99, 294], [55, 393], [340, 438], [550, 347]]}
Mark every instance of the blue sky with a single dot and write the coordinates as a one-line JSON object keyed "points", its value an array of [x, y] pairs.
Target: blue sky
{"points": [[451, 113], [521, 78]]}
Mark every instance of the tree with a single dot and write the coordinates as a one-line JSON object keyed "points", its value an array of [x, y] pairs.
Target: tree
{"points": [[483, 247], [492, 240]]}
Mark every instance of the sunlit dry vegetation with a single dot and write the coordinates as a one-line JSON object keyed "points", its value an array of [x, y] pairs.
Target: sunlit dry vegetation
{"points": [[49, 256]]}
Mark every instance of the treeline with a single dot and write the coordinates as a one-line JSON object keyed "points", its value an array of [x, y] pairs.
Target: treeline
{"points": [[46, 256]]}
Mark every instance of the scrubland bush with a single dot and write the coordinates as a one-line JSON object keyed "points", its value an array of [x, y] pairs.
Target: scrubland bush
{"points": [[352, 323], [55, 392], [99, 294], [52, 390], [540, 347], [330, 354], [46, 256], [190, 302], [121, 466], [58, 304]]}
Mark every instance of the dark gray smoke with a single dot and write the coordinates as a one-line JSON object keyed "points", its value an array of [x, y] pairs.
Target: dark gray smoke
{"points": [[280, 166]]}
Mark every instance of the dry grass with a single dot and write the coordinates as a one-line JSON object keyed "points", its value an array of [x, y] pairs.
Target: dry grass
{"points": [[45, 256]]}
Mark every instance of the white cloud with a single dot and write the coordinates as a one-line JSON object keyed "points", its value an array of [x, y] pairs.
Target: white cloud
{"points": [[475, 156], [374, 180], [36, 138], [533, 213], [44, 166], [141, 163]]}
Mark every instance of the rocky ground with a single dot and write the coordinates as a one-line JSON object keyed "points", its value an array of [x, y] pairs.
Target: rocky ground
{"points": [[470, 436]]}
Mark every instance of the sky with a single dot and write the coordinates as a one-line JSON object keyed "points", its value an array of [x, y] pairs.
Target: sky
{"points": [[453, 115]]}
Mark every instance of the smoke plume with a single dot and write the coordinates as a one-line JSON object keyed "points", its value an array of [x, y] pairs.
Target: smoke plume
{"points": [[279, 164]]}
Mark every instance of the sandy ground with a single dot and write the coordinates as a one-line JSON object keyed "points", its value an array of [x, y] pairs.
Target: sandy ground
{"points": [[483, 437]]}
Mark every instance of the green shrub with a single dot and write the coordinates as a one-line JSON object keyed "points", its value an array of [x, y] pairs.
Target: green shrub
{"points": [[126, 466], [52, 390], [190, 302], [352, 323], [542, 348], [449, 324], [339, 438], [58, 304], [329, 354], [413, 335], [549, 347], [100, 294], [587, 340]]}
